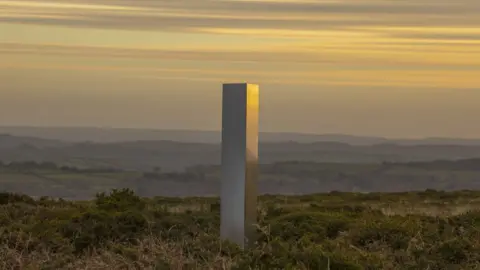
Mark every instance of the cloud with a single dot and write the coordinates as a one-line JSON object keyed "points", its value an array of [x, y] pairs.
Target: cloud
{"points": [[164, 54], [191, 15], [323, 35], [366, 57], [317, 75], [327, 21]]}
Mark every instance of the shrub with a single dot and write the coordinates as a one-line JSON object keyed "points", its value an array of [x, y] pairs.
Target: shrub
{"points": [[96, 227], [313, 225], [376, 235], [6, 198], [119, 200]]}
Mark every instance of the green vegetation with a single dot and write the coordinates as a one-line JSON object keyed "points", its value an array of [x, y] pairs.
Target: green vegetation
{"points": [[422, 230]]}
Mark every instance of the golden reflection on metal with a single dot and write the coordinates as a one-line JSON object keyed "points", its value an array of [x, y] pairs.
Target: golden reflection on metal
{"points": [[240, 109]]}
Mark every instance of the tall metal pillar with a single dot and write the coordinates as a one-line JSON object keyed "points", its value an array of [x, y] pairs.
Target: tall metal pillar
{"points": [[238, 199]]}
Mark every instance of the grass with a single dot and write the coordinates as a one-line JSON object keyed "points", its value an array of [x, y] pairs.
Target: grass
{"points": [[414, 230], [56, 183]]}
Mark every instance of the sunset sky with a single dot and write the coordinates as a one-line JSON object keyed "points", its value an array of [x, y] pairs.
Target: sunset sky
{"points": [[394, 68]]}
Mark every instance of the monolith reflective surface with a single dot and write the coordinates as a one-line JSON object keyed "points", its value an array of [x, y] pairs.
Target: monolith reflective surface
{"points": [[238, 199]]}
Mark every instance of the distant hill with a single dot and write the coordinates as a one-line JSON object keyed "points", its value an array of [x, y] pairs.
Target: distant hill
{"points": [[10, 141], [111, 135], [144, 155]]}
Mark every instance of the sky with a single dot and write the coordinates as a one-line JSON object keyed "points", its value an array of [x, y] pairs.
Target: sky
{"points": [[392, 68]]}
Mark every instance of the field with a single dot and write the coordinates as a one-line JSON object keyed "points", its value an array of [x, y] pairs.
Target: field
{"points": [[412, 230], [288, 178], [69, 185]]}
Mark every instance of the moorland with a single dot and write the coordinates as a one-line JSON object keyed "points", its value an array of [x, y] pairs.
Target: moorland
{"points": [[119, 230]]}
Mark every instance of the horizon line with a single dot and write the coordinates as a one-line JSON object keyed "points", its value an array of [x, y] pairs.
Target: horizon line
{"points": [[379, 137]]}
